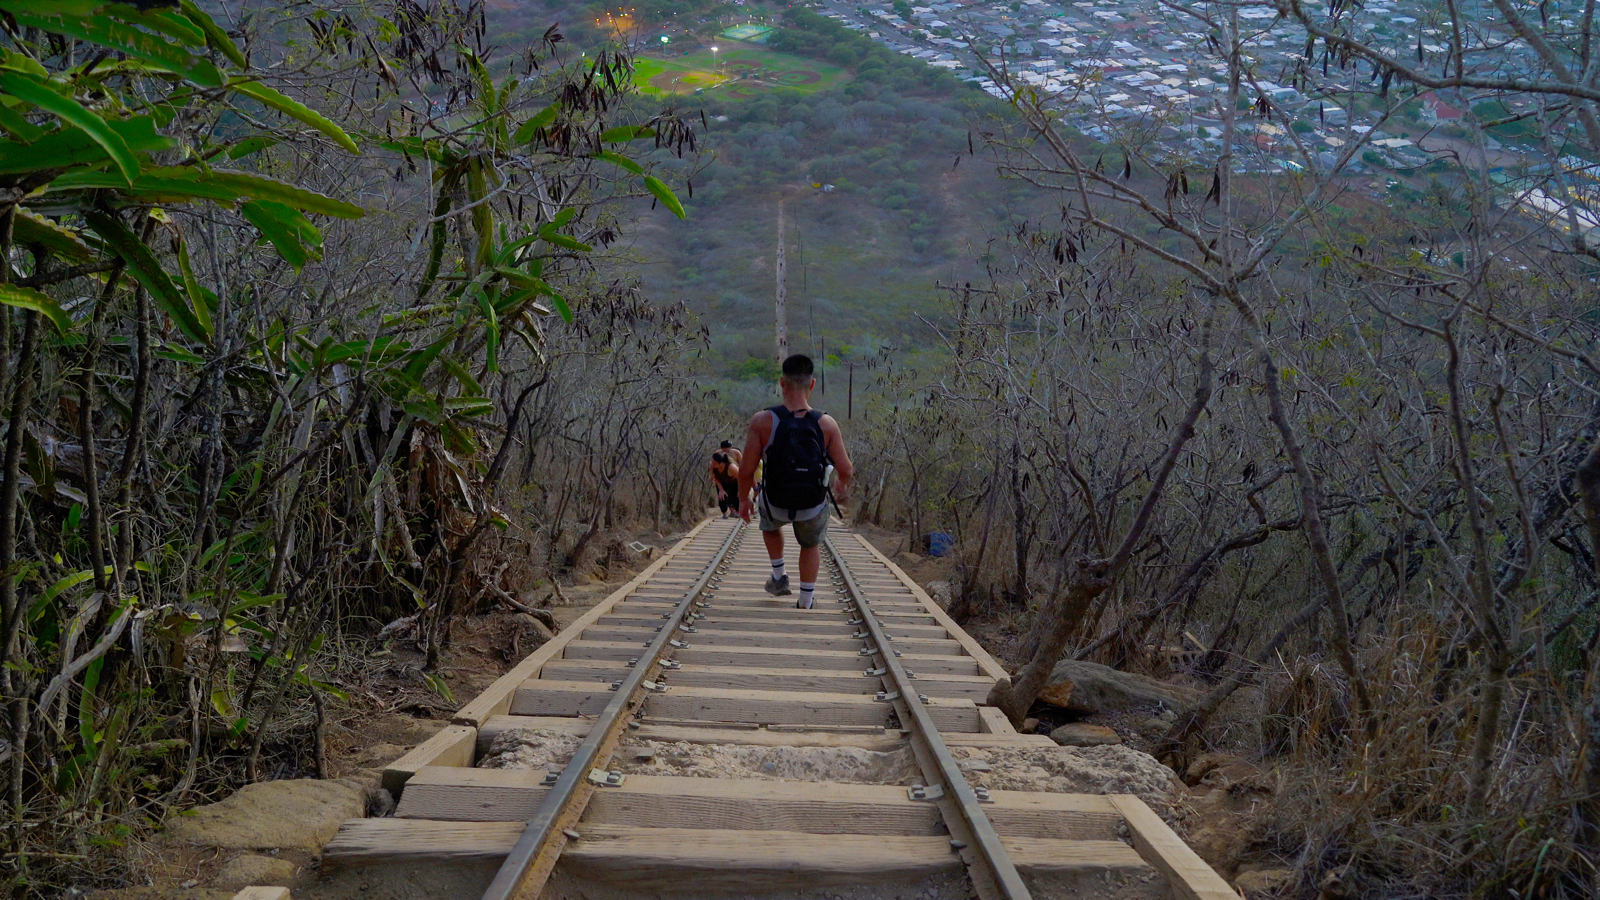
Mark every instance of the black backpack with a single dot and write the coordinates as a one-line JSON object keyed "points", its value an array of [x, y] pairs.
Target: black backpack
{"points": [[796, 459]]}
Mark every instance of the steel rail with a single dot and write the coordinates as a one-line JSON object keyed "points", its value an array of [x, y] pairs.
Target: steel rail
{"points": [[989, 847], [541, 828]]}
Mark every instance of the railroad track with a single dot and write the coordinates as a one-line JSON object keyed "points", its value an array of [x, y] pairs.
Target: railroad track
{"points": [[691, 736]]}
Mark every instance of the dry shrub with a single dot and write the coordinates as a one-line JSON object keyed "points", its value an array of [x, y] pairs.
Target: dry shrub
{"points": [[1393, 804]]}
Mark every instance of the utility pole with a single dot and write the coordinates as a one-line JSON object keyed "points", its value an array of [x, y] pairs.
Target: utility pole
{"points": [[782, 314]]}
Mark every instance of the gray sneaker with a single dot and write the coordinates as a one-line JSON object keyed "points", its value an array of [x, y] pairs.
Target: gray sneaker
{"points": [[778, 587]]}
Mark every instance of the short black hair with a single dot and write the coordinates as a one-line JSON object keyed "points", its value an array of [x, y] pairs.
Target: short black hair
{"points": [[727, 444], [798, 367]]}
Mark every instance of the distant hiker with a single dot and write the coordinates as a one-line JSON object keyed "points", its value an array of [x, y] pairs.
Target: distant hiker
{"points": [[795, 444], [725, 475], [732, 453]]}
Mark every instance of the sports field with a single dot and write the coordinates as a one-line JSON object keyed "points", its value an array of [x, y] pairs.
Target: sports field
{"points": [[738, 72]]}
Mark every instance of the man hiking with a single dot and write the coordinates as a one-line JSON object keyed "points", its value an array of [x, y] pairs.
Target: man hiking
{"points": [[795, 443], [725, 475], [728, 450]]}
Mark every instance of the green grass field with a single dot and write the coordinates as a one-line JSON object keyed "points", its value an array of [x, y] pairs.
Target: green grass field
{"points": [[739, 72]]}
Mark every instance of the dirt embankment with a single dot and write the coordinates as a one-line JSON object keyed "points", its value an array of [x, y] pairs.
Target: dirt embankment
{"points": [[271, 833]]}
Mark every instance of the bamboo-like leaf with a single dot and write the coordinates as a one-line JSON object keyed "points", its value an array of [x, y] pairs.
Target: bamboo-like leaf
{"points": [[665, 195], [435, 245], [287, 229], [562, 307], [28, 298], [528, 129], [47, 98], [143, 267], [294, 109], [620, 161], [624, 133], [551, 236], [197, 293], [482, 213]]}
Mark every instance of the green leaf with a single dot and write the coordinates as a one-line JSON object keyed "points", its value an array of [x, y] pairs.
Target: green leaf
{"points": [[624, 133], [28, 298], [665, 195], [525, 132], [620, 161], [294, 109], [491, 332], [470, 406], [28, 229], [18, 126], [59, 588], [522, 279], [288, 230], [115, 35], [198, 295], [436, 244], [251, 146], [45, 97], [53, 7], [168, 23], [144, 268], [562, 307], [215, 36], [260, 187], [563, 217], [556, 238], [225, 185], [73, 146]]}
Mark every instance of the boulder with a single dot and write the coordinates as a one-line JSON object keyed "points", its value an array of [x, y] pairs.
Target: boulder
{"points": [[1077, 734], [300, 814], [1057, 694], [1093, 688], [250, 868]]}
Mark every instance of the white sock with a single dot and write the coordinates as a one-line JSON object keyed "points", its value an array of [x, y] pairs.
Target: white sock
{"points": [[777, 568], [807, 589]]}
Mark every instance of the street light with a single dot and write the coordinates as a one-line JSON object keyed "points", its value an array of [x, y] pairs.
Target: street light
{"points": [[714, 59]]}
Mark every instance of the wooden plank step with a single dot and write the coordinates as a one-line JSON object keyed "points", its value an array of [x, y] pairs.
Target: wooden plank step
{"points": [[541, 697], [717, 859], [781, 657], [716, 733], [714, 637], [487, 795], [362, 842], [770, 679], [465, 794]]}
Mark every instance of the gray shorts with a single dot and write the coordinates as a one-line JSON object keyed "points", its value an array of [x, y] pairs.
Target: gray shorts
{"points": [[807, 532]]}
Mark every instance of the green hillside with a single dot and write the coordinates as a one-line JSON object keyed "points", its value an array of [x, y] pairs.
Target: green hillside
{"points": [[882, 201]]}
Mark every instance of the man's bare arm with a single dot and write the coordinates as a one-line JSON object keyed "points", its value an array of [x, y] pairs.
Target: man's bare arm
{"points": [[754, 443], [834, 443]]}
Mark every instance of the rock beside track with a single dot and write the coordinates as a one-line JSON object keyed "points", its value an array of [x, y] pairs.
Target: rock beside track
{"points": [[1111, 769], [1087, 688], [300, 814]]}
